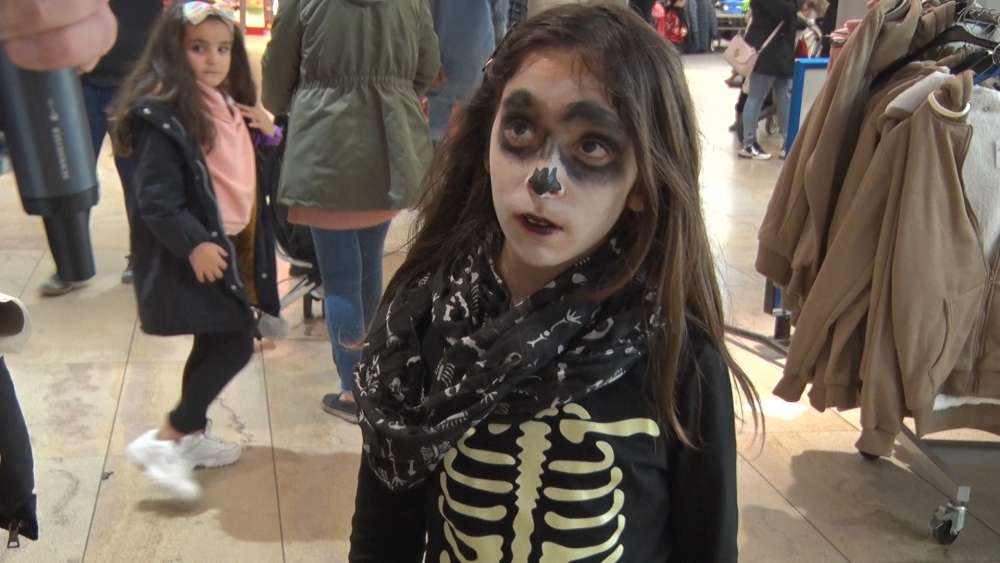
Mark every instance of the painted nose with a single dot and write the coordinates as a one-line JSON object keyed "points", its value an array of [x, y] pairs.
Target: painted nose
{"points": [[545, 182]]}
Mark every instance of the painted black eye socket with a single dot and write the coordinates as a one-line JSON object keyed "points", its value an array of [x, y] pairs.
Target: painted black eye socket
{"points": [[594, 152], [594, 149], [519, 132]]}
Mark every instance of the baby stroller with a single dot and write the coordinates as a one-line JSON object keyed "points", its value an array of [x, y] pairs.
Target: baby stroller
{"points": [[293, 243], [768, 114]]}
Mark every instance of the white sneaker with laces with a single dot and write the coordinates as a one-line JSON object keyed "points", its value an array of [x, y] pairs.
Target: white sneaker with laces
{"points": [[209, 451], [754, 152], [164, 463]]}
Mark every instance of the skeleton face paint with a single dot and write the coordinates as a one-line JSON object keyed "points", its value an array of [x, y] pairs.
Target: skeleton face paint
{"points": [[545, 183], [562, 168]]}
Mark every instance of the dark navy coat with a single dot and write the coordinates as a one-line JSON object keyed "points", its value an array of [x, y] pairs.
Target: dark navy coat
{"points": [[175, 210], [778, 58]]}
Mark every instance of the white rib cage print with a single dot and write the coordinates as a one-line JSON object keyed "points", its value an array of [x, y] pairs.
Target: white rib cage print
{"points": [[530, 463]]}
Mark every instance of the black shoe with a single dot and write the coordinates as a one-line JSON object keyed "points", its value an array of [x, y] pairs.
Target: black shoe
{"points": [[347, 410]]}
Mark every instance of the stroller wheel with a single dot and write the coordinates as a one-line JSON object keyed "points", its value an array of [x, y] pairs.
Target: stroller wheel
{"points": [[771, 125]]}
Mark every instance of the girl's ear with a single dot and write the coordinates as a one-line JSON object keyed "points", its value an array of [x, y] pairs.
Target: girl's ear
{"points": [[486, 160]]}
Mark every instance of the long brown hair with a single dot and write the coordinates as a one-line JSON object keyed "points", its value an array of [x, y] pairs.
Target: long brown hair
{"points": [[164, 75], [644, 80]]}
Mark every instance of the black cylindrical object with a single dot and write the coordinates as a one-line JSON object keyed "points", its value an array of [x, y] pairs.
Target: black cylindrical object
{"points": [[45, 122]]}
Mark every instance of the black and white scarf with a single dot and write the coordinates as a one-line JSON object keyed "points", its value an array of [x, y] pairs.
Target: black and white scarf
{"points": [[506, 363]]}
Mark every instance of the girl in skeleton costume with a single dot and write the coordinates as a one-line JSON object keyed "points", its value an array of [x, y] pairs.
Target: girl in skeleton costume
{"points": [[547, 377]]}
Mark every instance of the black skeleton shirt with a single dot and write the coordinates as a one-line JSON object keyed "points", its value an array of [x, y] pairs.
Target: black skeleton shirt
{"points": [[596, 480]]}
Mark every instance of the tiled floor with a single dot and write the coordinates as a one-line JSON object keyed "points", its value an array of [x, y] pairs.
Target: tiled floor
{"points": [[90, 380]]}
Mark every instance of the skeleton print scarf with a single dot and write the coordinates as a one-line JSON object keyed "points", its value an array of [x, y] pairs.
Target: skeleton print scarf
{"points": [[450, 351]]}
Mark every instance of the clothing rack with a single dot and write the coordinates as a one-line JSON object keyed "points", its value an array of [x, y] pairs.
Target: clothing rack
{"points": [[981, 15], [930, 457]]}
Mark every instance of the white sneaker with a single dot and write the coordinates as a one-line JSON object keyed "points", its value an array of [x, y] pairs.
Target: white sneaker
{"points": [[755, 152], [207, 451], [164, 463]]}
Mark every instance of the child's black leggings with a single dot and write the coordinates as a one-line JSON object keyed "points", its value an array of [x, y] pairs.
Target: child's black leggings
{"points": [[214, 361]]}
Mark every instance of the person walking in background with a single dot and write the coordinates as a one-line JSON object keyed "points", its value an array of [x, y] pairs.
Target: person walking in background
{"points": [[467, 34], [351, 73], [675, 29], [100, 87], [811, 38], [204, 250], [501, 18], [517, 13], [644, 8], [774, 69]]}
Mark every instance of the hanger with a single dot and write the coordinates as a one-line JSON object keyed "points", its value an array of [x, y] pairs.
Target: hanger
{"points": [[978, 61], [936, 106], [991, 72], [954, 34]]}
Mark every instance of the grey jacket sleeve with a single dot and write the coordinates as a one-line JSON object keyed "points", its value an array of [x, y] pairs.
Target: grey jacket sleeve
{"points": [[282, 59], [429, 62]]}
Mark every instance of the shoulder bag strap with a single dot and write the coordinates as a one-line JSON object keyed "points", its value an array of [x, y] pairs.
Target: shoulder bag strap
{"points": [[770, 37]]}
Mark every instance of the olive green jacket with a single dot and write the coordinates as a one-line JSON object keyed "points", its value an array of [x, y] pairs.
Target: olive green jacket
{"points": [[349, 74]]}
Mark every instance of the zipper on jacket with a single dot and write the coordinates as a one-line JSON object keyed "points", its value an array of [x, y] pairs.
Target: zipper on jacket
{"points": [[14, 539], [981, 341], [230, 247]]}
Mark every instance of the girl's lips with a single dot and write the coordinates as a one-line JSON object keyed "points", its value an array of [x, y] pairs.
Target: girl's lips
{"points": [[537, 225]]}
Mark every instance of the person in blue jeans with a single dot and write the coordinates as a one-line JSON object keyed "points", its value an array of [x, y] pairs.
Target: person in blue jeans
{"points": [[350, 264], [777, 20], [349, 74], [100, 88], [468, 31]]}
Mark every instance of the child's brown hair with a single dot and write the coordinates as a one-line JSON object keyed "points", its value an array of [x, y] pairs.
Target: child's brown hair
{"points": [[163, 74]]}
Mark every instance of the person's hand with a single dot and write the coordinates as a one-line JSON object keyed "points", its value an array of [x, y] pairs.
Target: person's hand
{"points": [[52, 34], [258, 118], [439, 81], [209, 262]]}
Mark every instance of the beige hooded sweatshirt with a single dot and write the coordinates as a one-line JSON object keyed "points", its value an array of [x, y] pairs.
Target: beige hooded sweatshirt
{"points": [[829, 335], [795, 224], [933, 325]]}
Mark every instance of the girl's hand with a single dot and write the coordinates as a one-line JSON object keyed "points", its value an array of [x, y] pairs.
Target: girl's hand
{"points": [[258, 117], [209, 262]]}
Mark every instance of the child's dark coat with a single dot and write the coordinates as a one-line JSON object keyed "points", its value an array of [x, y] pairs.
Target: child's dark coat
{"points": [[175, 211]]}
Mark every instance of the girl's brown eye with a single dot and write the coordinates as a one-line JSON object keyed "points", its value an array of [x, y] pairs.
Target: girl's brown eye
{"points": [[519, 133], [594, 152]]}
